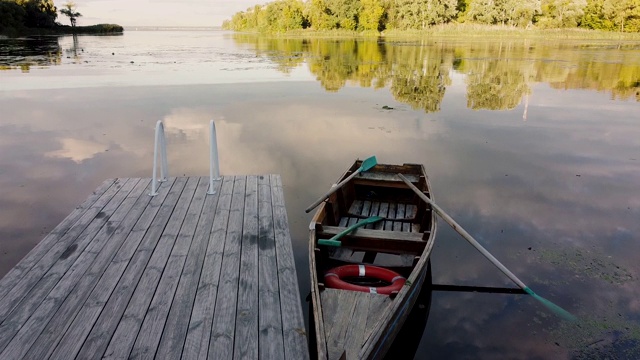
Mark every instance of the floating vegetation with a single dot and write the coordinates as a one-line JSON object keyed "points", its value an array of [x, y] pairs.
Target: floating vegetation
{"points": [[588, 265], [612, 337]]}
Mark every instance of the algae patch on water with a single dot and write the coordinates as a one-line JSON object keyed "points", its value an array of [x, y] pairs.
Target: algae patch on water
{"points": [[587, 265], [612, 337]]}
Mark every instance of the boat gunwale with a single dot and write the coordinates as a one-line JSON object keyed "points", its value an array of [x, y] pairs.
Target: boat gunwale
{"points": [[375, 345]]}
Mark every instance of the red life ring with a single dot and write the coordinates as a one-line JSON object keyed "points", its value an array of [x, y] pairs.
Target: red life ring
{"points": [[333, 278]]}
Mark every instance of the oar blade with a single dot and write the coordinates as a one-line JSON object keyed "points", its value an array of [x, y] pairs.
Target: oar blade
{"points": [[371, 220], [562, 313], [367, 221], [368, 163]]}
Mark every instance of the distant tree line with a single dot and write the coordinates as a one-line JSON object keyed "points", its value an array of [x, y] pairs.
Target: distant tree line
{"points": [[379, 15], [28, 16], [16, 15]]}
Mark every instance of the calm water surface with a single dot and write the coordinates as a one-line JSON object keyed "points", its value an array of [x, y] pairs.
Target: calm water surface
{"points": [[534, 147]]}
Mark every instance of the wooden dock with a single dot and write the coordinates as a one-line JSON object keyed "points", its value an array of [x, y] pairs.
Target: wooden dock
{"points": [[181, 275]]}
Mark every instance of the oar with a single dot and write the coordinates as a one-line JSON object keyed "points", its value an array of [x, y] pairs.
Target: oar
{"points": [[551, 306], [366, 165], [334, 240]]}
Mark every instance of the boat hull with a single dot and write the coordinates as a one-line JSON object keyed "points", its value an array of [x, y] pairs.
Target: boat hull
{"points": [[363, 326]]}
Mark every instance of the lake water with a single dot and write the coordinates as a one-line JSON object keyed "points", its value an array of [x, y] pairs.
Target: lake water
{"points": [[532, 145]]}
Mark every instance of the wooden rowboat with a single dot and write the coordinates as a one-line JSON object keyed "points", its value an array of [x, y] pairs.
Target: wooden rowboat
{"points": [[358, 308]]}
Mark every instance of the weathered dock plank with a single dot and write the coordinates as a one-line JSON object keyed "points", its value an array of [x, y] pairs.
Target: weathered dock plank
{"points": [[174, 335], [92, 219], [183, 274], [294, 332], [246, 336], [96, 278], [197, 341], [151, 329], [16, 273], [103, 310], [63, 299], [270, 341], [223, 329], [130, 306]]}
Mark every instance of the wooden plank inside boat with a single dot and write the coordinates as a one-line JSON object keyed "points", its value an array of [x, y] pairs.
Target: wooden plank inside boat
{"points": [[401, 242]]}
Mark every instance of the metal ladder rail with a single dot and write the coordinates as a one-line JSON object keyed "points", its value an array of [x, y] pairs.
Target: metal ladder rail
{"points": [[160, 145], [214, 163]]}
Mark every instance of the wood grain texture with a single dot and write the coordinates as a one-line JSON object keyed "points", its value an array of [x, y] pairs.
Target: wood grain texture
{"points": [[339, 318], [165, 292], [383, 211], [196, 344], [94, 324], [56, 328], [122, 339], [42, 248], [179, 275], [316, 303], [382, 176], [293, 325], [379, 340], [246, 332], [68, 294], [25, 308], [177, 324], [270, 338], [355, 339], [91, 221], [223, 328]]}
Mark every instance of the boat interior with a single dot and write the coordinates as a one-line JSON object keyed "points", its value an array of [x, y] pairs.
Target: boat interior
{"points": [[395, 243]]}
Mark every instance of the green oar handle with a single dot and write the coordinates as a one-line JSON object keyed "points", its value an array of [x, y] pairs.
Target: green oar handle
{"points": [[551, 306], [334, 240], [330, 242]]}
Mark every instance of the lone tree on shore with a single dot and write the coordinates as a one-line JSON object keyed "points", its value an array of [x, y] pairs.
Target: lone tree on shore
{"points": [[70, 11]]}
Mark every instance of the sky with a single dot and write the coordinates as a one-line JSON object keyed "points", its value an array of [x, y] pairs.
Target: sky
{"points": [[156, 12]]}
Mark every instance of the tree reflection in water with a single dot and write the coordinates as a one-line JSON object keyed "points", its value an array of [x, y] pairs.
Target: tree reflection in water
{"points": [[499, 74], [23, 53]]}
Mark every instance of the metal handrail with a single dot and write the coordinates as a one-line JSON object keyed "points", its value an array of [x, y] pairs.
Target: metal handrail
{"points": [[159, 145], [214, 163]]}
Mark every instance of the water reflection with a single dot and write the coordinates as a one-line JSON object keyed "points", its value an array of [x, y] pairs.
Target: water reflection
{"points": [[556, 198], [75, 50], [499, 74], [23, 53]]}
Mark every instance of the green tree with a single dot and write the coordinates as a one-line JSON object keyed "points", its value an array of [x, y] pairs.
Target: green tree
{"points": [[283, 15], [503, 12], [625, 14], [561, 13], [344, 13], [70, 11], [11, 17], [370, 14], [419, 14], [39, 13], [594, 16], [319, 15]]}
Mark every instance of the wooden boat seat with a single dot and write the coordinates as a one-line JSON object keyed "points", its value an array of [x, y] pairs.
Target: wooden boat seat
{"points": [[396, 214], [393, 242], [385, 176]]}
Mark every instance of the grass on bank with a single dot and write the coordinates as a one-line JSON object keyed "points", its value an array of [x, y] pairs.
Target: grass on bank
{"points": [[471, 31]]}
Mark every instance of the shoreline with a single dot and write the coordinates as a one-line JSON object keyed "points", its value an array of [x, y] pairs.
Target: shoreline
{"points": [[98, 29], [472, 31]]}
